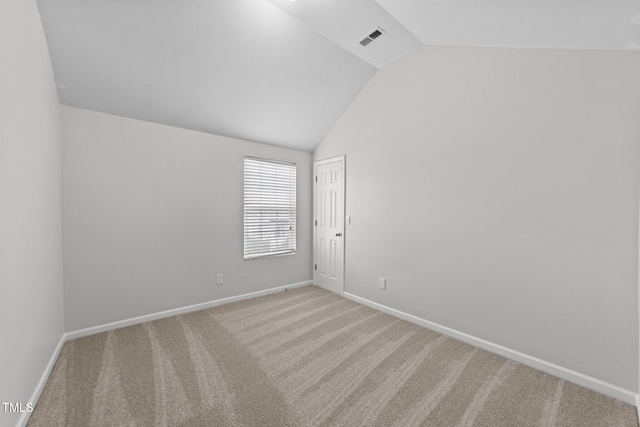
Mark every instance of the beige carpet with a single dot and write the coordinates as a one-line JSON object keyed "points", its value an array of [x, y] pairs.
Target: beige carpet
{"points": [[303, 357]]}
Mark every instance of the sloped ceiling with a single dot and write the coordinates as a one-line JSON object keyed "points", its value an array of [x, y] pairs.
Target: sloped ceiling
{"points": [[239, 68], [278, 71]]}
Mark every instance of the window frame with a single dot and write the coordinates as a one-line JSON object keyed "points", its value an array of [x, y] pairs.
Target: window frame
{"points": [[280, 206]]}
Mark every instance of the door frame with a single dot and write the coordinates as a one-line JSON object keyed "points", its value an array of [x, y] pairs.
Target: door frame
{"points": [[317, 163]]}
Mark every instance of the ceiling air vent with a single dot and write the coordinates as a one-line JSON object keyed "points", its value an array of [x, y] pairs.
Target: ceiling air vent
{"points": [[371, 37]]}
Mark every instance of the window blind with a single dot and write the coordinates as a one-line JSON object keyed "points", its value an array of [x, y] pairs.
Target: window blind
{"points": [[269, 208]]}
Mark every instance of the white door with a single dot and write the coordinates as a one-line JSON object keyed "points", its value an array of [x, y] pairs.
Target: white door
{"points": [[329, 224]]}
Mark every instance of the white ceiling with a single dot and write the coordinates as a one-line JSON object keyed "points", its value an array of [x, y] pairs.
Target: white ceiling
{"points": [[556, 24], [279, 71], [239, 68], [347, 22]]}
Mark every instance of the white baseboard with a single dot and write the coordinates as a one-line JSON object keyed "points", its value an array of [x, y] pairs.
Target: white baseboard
{"points": [[550, 368], [24, 418], [544, 366], [173, 312]]}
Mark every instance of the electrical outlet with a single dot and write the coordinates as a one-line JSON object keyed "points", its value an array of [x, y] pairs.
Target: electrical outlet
{"points": [[382, 283], [219, 279]]}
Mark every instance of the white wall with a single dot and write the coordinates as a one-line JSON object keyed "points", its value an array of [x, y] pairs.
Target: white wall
{"points": [[497, 191], [152, 213], [31, 310]]}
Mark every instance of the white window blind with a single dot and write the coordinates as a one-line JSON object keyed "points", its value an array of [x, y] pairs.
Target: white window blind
{"points": [[269, 208]]}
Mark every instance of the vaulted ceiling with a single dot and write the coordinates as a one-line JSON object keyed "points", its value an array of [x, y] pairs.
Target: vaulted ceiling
{"points": [[279, 71]]}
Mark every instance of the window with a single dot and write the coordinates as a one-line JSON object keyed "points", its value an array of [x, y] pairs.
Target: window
{"points": [[269, 208]]}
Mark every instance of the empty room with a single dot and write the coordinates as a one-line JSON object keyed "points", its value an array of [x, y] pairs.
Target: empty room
{"points": [[319, 213]]}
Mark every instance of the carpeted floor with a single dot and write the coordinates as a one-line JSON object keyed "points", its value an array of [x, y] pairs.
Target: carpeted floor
{"points": [[304, 357]]}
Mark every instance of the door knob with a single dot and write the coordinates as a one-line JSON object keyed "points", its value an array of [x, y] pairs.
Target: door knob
{"points": [[338, 234]]}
